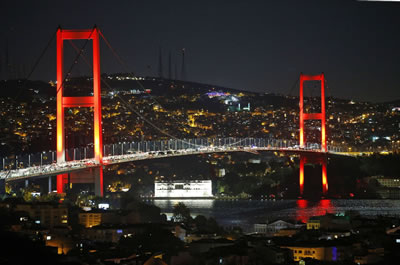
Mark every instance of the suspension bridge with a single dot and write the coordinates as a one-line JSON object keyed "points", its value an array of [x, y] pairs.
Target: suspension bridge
{"points": [[87, 163]]}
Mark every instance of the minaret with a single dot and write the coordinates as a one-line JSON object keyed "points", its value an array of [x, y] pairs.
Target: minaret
{"points": [[7, 63], [169, 66], [183, 73], [176, 71], [160, 66], [1, 66]]}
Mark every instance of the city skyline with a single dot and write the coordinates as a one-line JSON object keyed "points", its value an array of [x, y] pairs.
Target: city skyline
{"points": [[259, 47], [199, 132]]}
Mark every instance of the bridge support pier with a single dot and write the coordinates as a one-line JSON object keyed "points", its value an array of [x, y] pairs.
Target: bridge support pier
{"points": [[50, 184], [26, 183], [314, 159], [2, 186], [62, 179], [91, 175], [98, 181]]}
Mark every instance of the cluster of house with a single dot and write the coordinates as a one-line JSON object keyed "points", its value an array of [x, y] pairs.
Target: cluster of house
{"points": [[331, 237]]}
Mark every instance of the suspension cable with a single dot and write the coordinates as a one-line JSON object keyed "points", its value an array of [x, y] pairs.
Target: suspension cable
{"points": [[141, 116], [23, 85], [123, 64], [140, 84], [36, 64], [126, 69], [127, 104], [293, 86]]}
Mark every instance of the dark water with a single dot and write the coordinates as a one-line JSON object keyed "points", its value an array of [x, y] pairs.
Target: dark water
{"points": [[244, 213]]}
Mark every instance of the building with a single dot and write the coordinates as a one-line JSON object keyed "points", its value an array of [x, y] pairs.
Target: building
{"points": [[370, 256], [274, 227], [60, 240], [389, 182], [90, 219], [275, 255], [46, 214], [105, 233], [183, 189], [329, 222], [319, 251], [314, 223], [288, 232], [98, 217], [204, 245], [331, 235], [113, 233]]}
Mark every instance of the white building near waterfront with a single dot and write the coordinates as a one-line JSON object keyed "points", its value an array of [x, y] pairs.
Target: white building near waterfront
{"points": [[183, 189]]}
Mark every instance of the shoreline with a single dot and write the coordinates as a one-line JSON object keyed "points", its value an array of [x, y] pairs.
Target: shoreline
{"points": [[250, 199]]}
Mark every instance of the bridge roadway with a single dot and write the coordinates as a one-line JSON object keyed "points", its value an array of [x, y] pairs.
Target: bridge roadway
{"points": [[76, 165]]}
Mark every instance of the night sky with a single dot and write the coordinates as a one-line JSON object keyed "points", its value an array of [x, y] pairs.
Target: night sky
{"points": [[252, 45]]}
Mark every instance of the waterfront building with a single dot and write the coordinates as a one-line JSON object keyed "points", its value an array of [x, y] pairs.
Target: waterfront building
{"points": [[183, 189], [388, 182], [274, 227]]}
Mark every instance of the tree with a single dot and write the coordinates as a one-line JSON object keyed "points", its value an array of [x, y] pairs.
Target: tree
{"points": [[181, 213], [200, 221]]}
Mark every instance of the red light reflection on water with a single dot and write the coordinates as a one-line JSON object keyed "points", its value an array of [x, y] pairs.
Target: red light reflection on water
{"points": [[306, 209]]}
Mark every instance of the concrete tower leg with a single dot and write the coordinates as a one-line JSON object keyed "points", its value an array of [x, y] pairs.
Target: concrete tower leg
{"points": [[50, 188], [98, 181], [62, 179], [2, 186]]}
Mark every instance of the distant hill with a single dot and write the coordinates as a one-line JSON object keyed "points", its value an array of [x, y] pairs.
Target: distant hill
{"points": [[394, 103], [81, 86], [22, 90]]}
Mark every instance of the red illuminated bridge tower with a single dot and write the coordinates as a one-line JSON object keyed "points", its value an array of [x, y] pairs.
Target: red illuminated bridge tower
{"points": [[72, 102], [314, 158]]}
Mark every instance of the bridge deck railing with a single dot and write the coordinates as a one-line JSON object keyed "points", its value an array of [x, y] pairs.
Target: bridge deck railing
{"points": [[86, 153]]}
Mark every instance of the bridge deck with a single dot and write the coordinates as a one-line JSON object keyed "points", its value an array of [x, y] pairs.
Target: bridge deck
{"points": [[70, 166]]}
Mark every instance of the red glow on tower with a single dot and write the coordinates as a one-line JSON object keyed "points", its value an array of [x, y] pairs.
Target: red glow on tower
{"points": [[70, 102], [301, 180], [313, 116]]}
